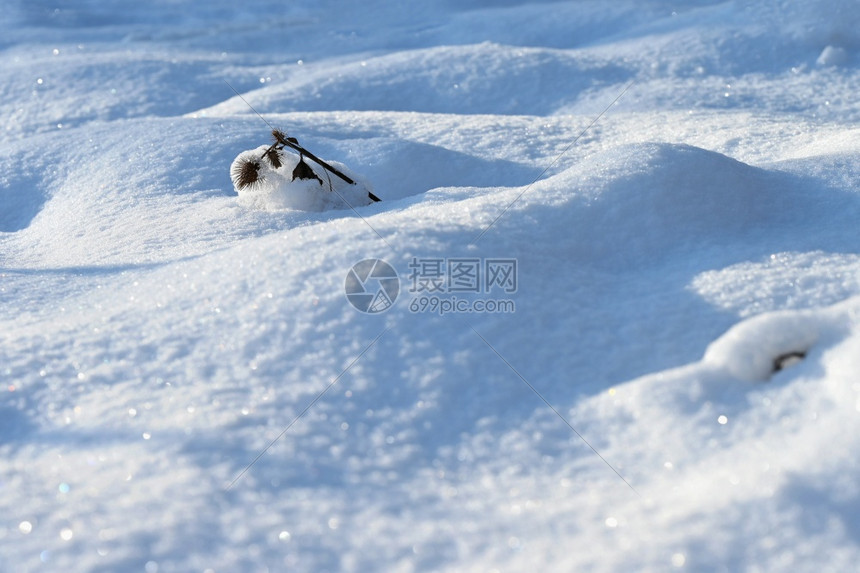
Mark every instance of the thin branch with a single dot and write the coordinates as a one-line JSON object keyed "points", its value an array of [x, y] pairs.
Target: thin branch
{"points": [[288, 142]]}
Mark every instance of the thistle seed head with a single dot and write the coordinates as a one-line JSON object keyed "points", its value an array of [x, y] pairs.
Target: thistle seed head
{"points": [[245, 173], [279, 136], [274, 157]]}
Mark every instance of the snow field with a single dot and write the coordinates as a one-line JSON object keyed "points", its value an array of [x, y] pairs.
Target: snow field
{"points": [[158, 332]]}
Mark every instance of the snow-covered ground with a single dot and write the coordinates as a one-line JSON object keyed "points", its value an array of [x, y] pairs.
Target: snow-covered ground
{"points": [[187, 387]]}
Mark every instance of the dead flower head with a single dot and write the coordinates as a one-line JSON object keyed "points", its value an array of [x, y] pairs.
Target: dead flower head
{"points": [[245, 173]]}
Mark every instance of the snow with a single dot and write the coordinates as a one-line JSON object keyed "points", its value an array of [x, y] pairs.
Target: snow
{"points": [[279, 188], [186, 387]]}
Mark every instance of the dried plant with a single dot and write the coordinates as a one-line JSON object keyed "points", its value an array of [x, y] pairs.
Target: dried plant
{"points": [[245, 173], [304, 171], [273, 155], [279, 136]]}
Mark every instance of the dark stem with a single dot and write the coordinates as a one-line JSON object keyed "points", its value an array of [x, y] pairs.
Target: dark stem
{"points": [[286, 141]]}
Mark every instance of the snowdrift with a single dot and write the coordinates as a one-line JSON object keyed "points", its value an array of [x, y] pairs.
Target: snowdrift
{"points": [[186, 386]]}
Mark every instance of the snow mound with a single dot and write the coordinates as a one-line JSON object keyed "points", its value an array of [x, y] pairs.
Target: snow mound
{"points": [[643, 202], [832, 56], [283, 188], [820, 22], [481, 78], [756, 348], [782, 281]]}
